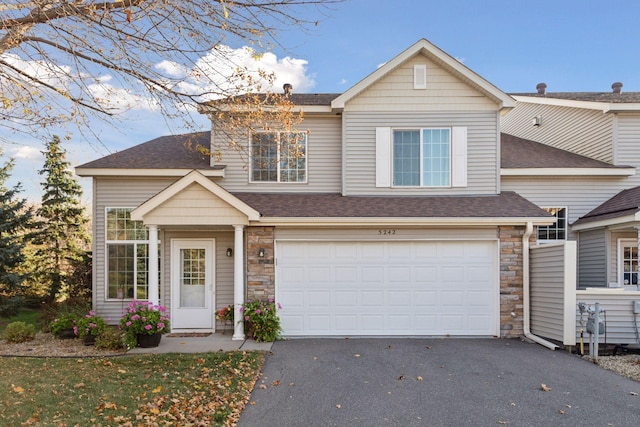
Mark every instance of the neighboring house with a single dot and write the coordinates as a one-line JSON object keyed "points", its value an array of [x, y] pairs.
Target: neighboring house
{"points": [[394, 222], [592, 185]]}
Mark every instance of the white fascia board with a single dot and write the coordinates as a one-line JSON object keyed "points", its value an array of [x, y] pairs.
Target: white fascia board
{"points": [[430, 50], [606, 222], [394, 221], [567, 171], [210, 173], [605, 107]]}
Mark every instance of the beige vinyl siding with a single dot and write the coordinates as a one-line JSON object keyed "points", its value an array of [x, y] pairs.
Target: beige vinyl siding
{"points": [[116, 193], [579, 194], [324, 161], [444, 92], [581, 131], [360, 150], [388, 233], [592, 259], [619, 315], [195, 205], [549, 292], [628, 143]]}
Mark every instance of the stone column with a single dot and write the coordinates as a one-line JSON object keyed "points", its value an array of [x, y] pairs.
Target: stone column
{"points": [[153, 265], [238, 282]]}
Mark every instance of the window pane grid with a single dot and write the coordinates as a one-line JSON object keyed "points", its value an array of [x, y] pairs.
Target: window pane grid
{"points": [[557, 230], [406, 158], [422, 157], [279, 157], [630, 265]]}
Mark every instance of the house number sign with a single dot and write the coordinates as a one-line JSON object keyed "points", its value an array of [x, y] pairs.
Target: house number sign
{"points": [[390, 232]]}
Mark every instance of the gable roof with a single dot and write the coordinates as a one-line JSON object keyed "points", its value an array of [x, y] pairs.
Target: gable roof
{"points": [[173, 155], [504, 208], [437, 55], [194, 177], [621, 208], [519, 156]]}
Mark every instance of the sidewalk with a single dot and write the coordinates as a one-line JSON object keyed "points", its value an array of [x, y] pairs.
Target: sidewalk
{"points": [[212, 343]]}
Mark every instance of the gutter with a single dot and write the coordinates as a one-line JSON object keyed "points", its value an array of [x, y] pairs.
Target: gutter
{"points": [[525, 290]]}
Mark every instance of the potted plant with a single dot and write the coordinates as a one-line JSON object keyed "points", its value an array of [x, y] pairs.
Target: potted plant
{"points": [[89, 327], [261, 321], [62, 326], [225, 315], [143, 324]]}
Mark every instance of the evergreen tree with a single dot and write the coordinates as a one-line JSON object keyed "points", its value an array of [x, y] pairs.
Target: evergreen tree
{"points": [[15, 220], [62, 237]]}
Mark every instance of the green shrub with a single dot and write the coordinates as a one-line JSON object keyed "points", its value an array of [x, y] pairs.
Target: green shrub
{"points": [[261, 320], [110, 339], [61, 326], [19, 332], [89, 324], [74, 306], [10, 306]]}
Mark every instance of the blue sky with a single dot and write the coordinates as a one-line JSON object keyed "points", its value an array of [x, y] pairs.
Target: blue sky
{"points": [[571, 45]]}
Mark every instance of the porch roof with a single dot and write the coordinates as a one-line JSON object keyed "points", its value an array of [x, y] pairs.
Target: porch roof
{"points": [[621, 208]]}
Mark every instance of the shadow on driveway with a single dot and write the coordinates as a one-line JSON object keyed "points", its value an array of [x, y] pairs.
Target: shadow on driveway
{"points": [[435, 382]]}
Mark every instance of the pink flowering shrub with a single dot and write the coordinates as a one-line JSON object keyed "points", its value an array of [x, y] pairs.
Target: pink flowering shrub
{"points": [[89, 324], [261, 320], [142, 317]]}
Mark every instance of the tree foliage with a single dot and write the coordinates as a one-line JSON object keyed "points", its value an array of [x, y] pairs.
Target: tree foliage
{"points": [[62, 239], [63, 60], [15, 221]]}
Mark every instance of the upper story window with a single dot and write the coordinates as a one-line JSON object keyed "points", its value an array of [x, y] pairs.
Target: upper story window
{"points": [[422, 157], [127, 256], [279, 157], [556, 231]]}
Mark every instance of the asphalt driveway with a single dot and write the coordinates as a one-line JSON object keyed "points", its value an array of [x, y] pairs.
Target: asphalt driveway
{"points": [[435, 382]]}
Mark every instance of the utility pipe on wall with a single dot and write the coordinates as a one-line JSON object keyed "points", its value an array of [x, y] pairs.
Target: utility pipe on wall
{"points": [[525, 289]]}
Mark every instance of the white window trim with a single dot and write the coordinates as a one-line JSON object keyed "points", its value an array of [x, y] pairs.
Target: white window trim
{"points": [[135, 265], [622, 243], [566, 225], [306, 158]]}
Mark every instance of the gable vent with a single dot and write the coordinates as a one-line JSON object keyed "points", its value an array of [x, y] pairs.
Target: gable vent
{"points": [[420, 76]]}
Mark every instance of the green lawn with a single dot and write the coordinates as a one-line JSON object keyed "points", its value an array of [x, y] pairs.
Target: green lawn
{"points": [[166, 389]]}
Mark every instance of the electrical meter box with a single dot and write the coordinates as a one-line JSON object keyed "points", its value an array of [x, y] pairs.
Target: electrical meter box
{"points": [[636, 307], [591, 329]]}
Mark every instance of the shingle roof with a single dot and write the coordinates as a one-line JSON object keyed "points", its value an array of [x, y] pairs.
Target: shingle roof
{"points": [[333, 205], [608, 97], [625, 203], [166, 152], [516, 153]]}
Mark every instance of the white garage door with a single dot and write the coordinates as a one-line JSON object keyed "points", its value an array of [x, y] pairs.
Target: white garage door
{"points": [[388, 288]]}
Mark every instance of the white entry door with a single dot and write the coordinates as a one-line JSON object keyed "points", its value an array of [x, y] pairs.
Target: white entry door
{"points": [[192, 287]]}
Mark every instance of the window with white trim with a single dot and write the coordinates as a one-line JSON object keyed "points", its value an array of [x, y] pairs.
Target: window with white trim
{"points": [[127, 256], [421, 157], [557, 230], [279, 157], [628, 262]]}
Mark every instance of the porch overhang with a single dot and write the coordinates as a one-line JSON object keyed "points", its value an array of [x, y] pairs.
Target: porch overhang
{"points": [[194, 200], [617, 223]]}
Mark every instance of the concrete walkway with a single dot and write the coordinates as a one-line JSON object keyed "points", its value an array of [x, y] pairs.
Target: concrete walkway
{"points": [[212, 343]]}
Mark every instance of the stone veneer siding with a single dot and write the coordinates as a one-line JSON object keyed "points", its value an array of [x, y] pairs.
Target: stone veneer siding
{"points": [[511, 281], [260, 271]]}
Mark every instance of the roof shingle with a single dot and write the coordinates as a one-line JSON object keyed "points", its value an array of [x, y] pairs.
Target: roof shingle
{"points": [[626, 202]]}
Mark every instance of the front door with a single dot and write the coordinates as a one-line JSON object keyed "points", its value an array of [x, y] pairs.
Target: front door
{"points": [[192, 287]]}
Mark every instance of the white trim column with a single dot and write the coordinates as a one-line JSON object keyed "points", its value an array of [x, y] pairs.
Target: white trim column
{"points": [[153, 265], [238, 282]]}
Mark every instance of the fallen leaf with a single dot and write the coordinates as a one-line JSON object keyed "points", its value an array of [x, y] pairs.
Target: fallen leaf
{"points": [[561, 412], [157, 389], [291, 384], [401, 377], [356, 355], [633, 393], [502, 422], [275, 383], [17, 389], [420, 378], [338, 406], [567, 406], [388, 347], [544, 387], [262, 386], [122, 371], [428, 347], [252, 403], [79, 385]]}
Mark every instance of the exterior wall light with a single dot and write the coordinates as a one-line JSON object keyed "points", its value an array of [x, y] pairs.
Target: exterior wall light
{"points": [[229, 252], [261, 252]]}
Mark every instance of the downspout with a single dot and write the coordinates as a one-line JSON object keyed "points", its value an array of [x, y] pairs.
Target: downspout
{"points": [[525, 289]]}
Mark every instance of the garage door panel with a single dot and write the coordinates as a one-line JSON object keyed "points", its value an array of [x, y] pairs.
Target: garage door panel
{"points": [[387, 288]]}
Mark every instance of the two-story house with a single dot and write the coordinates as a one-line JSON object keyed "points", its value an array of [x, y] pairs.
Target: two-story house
{"points": [[393, 221], [582, 168]]}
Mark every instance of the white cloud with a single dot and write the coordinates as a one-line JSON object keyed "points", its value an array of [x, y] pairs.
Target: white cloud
{"points": [[26, 152], [171, 68], [119, 100]]}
